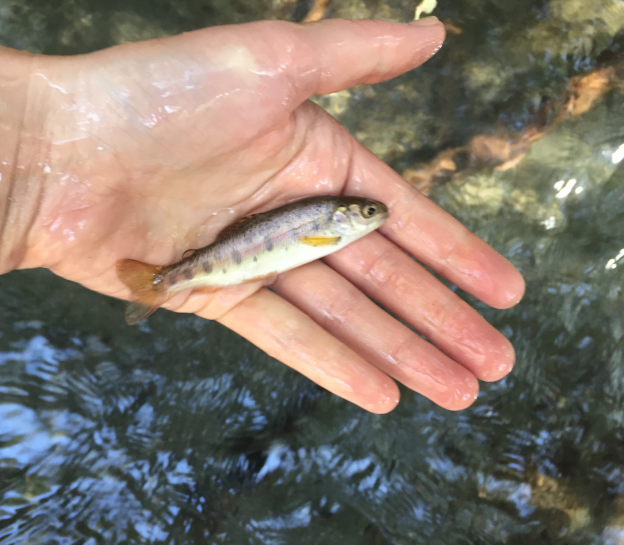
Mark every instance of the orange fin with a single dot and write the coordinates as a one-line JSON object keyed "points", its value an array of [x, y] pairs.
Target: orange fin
{"points": [[188, 253], [233, 227], [320, 241], [213, 289], [136, 312], [261, 277], [207, 289], [148, 296]]}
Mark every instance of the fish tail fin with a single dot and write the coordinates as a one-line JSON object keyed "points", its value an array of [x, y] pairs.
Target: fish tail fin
{"points": [[139, 277], [137, 312]]}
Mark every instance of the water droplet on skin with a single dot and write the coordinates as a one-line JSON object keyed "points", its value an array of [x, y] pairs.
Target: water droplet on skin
{"points": [[55, 225], [50, 84]]}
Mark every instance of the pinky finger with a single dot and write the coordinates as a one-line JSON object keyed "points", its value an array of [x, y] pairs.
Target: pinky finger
{"points": [[291, 336]]}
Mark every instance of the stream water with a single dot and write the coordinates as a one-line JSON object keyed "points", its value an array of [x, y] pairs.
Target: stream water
{"points": [[180, 432]]}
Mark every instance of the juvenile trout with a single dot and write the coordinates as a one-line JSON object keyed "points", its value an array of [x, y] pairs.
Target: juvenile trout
{"points": [[255, 247]]}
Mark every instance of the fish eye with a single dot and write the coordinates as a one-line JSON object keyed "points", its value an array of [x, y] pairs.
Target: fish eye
{"points": [[369, 210]]}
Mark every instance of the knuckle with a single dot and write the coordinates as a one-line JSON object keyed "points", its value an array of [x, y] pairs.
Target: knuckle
{"points": [[402, 349], [446, 322], [383, 271], [341, 305], [456, 246]]}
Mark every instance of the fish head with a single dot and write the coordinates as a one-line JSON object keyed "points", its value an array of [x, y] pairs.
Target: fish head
{"points": [[358, 216]]}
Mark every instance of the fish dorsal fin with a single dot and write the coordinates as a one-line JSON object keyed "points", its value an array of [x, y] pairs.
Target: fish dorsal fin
{"points": [[188, 253], [238, 224]]}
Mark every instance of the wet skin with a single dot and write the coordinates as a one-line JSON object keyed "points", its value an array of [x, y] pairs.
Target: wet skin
{"points": [[145, 150]]}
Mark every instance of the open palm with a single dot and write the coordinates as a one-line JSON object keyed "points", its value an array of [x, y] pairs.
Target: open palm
{"points": [[146, 150]]}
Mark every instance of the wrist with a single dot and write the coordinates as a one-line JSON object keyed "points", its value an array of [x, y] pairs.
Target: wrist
{"points": [[19, 189]]}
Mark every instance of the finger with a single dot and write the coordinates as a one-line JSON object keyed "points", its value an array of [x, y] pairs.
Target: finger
{"points": [[433, 236], [338, 306], [289, 335], [391, 277], [322, 57], [337, 54]]}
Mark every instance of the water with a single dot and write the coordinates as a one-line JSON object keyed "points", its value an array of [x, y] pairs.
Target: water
{"points": [[180, 432]]}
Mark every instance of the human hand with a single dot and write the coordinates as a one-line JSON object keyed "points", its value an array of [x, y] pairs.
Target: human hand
{"points": [[145, 150]]}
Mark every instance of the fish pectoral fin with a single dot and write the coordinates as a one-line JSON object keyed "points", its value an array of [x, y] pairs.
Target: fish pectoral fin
{"points": [[188, 253], [320, 241]]}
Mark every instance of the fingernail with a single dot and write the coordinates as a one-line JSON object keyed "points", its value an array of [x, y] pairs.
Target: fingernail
{"points": [[427, 21]]}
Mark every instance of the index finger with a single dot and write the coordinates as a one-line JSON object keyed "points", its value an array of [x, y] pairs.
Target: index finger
{"points": [[433, 236]]}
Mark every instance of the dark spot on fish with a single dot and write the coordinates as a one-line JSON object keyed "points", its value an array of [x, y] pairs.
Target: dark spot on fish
{"points": [[224, 271], [237, 257], [188, 273], [255, 259], [207, 266], [316, 226], [268, 244]]}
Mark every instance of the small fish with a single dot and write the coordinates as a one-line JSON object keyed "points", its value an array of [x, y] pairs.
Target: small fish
{"points": [[255, 247]]}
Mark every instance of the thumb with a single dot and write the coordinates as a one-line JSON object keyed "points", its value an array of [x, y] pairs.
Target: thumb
{"points": [[287, 62], [337, 54], [227, 84]]}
